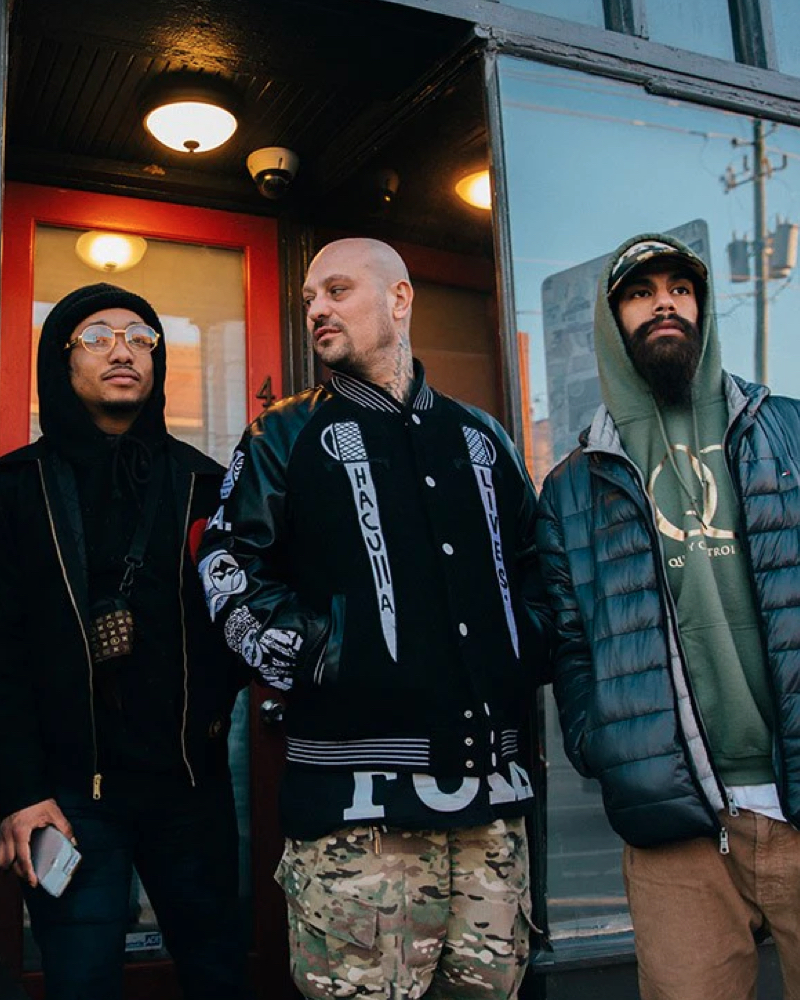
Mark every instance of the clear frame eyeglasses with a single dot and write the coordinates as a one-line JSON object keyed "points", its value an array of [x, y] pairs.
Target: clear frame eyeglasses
{"points": [[100, 339]]}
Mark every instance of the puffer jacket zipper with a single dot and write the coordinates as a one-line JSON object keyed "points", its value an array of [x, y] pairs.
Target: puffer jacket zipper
{"points": [[645, 505]]}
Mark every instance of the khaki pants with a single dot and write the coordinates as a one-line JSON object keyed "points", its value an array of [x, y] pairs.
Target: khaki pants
{"points": [[444, 914], [696, 912]]}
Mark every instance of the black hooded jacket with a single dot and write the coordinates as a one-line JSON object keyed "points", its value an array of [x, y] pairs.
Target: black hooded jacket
{"points": [[55, 726]]}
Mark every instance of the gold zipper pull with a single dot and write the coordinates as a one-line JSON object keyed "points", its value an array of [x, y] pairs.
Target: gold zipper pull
{"points": [[96, 793], [376, 839]]}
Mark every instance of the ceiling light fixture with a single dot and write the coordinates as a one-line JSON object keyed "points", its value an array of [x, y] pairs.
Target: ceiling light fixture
{"points": [[190, 113], [475, 189], [110, 252]]}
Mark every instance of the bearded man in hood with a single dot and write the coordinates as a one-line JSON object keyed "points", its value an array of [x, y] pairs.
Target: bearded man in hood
{"points": [[670, 545], [115, 694]]}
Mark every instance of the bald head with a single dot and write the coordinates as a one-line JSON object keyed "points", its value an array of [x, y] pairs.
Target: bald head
{"points": [[358, 297], [375, 257]]}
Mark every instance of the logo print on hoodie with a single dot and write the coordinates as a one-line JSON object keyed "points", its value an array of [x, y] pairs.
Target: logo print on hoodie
{"points": [[343, 442], [483, 455]]}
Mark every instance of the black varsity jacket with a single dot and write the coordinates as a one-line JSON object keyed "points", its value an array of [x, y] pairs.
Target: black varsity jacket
{"points": [[377, 562]]}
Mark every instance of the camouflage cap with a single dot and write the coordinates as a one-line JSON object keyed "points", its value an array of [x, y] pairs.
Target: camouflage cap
{"points": [[640, 253]]}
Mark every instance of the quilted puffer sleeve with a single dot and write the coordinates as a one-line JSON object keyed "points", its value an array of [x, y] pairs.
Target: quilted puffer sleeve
{"points": [[573, 681]]}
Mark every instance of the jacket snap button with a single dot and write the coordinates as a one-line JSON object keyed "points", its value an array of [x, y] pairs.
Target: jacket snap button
{"points": [[469, 763], [468, 741], [462, 628]]}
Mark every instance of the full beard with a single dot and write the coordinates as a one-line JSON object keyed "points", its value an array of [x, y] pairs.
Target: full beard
{"points": [[342, 355], [667, 364]]}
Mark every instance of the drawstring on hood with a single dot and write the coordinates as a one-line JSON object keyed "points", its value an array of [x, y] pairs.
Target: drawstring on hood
{"points": [[66, 423]]}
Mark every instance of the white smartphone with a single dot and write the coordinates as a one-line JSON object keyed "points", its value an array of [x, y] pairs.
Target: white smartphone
{"points": [[54, 859]]}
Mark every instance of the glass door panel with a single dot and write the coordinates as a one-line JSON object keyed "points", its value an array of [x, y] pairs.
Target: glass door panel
{"points": [[198, 292]]}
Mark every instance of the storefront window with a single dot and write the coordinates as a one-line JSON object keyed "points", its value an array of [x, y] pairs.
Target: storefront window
{"points": [[590, 162], [786, 22], [581, 11], [700, 27]]}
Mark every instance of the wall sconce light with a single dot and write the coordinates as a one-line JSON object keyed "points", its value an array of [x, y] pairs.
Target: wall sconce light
{"points": [[190, 113], [475, 189], [110, 252]]}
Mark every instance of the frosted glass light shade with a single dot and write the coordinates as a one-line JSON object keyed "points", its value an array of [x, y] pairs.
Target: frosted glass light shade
{"points": [[110, 252], [191, 126]]}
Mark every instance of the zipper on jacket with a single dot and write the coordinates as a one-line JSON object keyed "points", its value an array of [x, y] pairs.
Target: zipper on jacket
{"points": [[183, 634], [671, 619], [733, 809], [97, 778], [724, 846]]}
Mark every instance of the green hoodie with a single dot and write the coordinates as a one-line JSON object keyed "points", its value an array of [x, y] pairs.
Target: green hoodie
{"points": [[706, 567]]}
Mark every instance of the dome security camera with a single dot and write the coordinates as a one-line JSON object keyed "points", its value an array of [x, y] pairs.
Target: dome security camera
{"points": [[273, 169]]}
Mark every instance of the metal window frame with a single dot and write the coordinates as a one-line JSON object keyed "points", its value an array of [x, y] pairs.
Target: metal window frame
{"points": [[753, 33], [745, 87], [628, 17]]}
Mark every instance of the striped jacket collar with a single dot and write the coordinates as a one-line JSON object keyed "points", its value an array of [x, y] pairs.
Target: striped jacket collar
{"points": [[372, 397]]}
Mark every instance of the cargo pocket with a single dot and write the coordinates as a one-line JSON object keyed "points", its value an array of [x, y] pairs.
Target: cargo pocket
{"points": [[331, 937]]}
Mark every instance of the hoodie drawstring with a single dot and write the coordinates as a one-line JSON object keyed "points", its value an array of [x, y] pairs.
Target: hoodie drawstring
{"points": [[698, 506]]}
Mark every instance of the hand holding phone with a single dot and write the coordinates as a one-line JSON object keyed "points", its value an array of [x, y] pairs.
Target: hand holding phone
{"points": [[54, 859]]}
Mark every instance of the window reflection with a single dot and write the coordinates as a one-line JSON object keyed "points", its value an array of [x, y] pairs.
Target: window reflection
{"points": [[590, 162], [701, 27], [198, 293], [582, 11], [786, 23]]}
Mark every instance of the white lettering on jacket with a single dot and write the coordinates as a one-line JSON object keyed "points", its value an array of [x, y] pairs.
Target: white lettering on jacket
{"points": [[343, 442], [364, 806], [483, 455]]}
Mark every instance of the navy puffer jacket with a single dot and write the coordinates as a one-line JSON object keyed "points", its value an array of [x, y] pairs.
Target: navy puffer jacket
{"points": [[621, 683]]}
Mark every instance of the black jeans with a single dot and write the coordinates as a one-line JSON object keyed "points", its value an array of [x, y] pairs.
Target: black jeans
{"points": [[184, 844]]}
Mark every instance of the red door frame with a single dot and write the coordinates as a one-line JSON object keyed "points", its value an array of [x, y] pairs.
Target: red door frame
{"points": [[24, 206]]}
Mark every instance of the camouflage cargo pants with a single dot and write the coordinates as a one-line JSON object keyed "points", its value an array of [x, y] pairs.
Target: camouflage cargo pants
{"points": [[404, 914]]}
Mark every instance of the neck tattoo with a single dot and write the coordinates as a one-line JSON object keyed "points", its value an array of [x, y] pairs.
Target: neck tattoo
{"points": [[398, 383]]}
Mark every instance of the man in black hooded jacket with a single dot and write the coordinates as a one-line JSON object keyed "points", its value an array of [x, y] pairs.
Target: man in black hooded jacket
{"points": [[115, 694]]}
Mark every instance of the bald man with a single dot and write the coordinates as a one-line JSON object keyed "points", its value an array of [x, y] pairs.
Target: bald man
{"points": [[373, 558]]}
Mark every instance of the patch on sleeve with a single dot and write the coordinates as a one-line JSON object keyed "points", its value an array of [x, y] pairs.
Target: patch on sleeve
{"points": [[222, 577], [234, 470], [273, 654]]}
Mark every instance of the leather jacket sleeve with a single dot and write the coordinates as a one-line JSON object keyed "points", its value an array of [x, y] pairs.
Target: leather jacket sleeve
{"points": [[243, 560], [573, 676], [529, 572]]}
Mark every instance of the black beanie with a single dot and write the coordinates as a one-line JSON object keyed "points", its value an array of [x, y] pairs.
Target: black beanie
{"points": [[62, 417]]}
